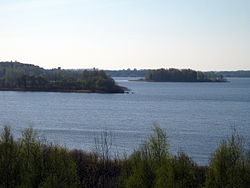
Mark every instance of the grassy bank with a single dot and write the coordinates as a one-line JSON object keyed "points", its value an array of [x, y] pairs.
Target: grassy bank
{"points": [[31, 162]]}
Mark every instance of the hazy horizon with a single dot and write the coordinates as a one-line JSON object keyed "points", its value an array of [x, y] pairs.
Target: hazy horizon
{"points": [[88, 68], [120, 34]]}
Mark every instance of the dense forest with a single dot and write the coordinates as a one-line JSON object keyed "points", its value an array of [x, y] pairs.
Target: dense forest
{"points": [[240, 73], [143, 73], [27, 77], [32, 162], [127, 73], [183, 75]]}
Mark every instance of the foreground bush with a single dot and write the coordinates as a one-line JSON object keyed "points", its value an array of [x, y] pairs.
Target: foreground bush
{"points": [[152, 165], [229, 166], [30, 163], [94, 171]]}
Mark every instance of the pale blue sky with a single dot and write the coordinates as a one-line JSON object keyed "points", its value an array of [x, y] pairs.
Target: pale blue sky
{"points": [[117, 34]]}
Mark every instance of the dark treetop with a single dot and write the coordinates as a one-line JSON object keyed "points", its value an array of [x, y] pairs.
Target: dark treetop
{"points": [[240, 73], [143, 73], [26, 77], [183, 75], [127, 73]]}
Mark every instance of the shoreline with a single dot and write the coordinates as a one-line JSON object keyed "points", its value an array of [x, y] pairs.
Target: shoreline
{"points": [[57, 90], [144, 80]]}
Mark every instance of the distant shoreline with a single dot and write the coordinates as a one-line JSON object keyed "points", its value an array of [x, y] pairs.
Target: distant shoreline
{"points": [[16, 76], [144, 80], [54, 90]]}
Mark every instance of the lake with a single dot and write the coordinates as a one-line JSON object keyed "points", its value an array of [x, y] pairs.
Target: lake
{"points": [[196, 116]]}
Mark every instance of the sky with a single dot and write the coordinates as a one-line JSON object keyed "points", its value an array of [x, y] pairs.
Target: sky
{"points": [[119, 34]]}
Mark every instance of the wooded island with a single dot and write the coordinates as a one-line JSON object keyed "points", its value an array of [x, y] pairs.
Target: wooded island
{"points": [[182, 75], [15, 76]]}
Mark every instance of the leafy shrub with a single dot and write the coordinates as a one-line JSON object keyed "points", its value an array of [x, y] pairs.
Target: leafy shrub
{"points": [[29, 163], [229, 166]]}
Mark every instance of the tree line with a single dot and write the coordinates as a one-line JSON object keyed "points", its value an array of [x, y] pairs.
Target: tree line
{"points": [[182, 75], [127, 73], [240, 73], [207, 74], [32, 162], [15, 75]]}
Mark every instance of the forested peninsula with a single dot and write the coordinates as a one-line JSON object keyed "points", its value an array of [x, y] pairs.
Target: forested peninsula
{"points": [[183, 75], [16, 76]]}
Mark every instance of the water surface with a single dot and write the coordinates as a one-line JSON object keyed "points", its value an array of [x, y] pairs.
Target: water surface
{"points": [[196, 116]]}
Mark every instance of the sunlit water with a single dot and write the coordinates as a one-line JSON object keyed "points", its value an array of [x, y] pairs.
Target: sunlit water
{"points": [[196, 116]]}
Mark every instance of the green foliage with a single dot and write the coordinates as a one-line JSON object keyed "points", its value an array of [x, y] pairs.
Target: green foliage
{"points": [[229, 165], [60, 169], [179, 172], [9, 160], [157, 146], [184, 75], [141, 169], [30, 155], [15, 75], [28, 163], [142, 174], [153, 166]]}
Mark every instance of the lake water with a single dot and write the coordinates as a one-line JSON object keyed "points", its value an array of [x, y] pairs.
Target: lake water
{"points": [[196, 116]]}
